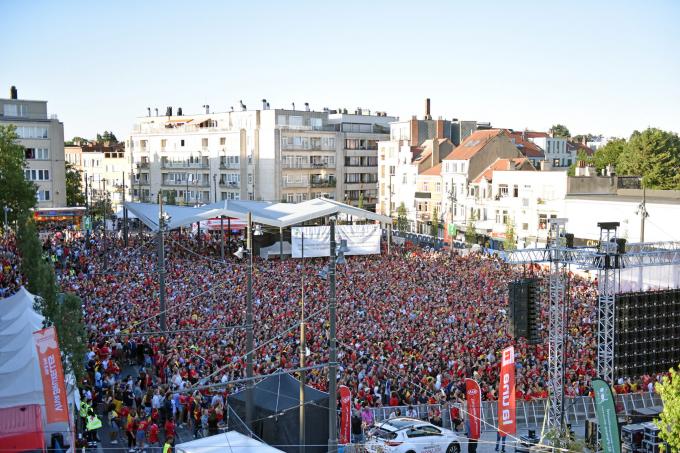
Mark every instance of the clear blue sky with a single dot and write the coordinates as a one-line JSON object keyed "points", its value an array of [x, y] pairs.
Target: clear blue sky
{"points": [[595, 66]]}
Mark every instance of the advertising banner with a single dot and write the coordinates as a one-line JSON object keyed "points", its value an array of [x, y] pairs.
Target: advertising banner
{"points": [[606, 417], [361, 240], [473, 396], [507, 422], [54, 388], [345, 415]]}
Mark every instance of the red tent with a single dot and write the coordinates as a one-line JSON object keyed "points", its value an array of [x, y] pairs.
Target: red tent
{"points": [[21, 428]]}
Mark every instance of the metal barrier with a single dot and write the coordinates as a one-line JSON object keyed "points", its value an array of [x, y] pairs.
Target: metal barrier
{"points": [[530, 414]]}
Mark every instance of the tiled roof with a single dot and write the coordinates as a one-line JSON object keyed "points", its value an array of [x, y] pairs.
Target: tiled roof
{"points": [[473, 144], [433, 171], [503, 165], [526, 147]]}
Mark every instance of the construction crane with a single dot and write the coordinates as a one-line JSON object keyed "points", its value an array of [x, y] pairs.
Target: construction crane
{"points": [[611, 255]]}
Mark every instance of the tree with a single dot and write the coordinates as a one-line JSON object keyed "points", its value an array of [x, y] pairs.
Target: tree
{"points": [[360, 204], [16, 192], [669, 419], [171, 197], [107, 136], [75, 141], [470, 230], [75, 195], [434, 225], [62, 311], [608, 154], [581, 156], [560, 130], [402, 221], [510, 242], [655, 155]]}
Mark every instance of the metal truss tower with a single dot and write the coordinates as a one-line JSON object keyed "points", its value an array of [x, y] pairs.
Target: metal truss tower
{"points": [[606, 289], [556, 330]]}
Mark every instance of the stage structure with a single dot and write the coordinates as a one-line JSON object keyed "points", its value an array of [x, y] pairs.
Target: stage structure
{"points": [[607, 259]]}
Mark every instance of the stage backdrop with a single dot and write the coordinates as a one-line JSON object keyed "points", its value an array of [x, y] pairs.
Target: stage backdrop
{"points": [[361, 240]]}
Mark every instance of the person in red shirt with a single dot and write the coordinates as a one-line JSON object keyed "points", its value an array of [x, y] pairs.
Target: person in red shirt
{"points": [[152, 434], [170, 428]]}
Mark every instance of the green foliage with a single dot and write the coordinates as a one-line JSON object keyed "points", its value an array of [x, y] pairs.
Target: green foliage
{"points": [[560, 130], [510, 242], [608, 154], [669, 421], [75, 195], [655, 155], [564, 441], [470, 230], [360, 204], [434, 226], [107, 136], [101, 209], [15, 192], [75, 140], [64, 312], [581, 156], [402, 221], [171, 197]]}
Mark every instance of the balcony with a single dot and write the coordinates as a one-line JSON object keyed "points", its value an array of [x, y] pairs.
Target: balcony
{"points": [[230, 184], [423, 195], [306, 165], [190, 184], [295, 184], [424, 216], [230, 166], [184, 164], [142, 165], [323, 183]]}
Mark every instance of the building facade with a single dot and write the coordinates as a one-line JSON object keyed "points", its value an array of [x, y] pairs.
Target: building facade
{"points": [[266, 154], [43, 137], [104, 170]]}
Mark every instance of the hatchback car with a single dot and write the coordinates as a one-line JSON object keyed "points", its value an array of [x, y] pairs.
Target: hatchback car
{"points": [[410, 435]]}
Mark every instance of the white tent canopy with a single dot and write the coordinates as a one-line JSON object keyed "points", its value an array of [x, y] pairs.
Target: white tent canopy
{"points": [[230, 441], [263, 212]]}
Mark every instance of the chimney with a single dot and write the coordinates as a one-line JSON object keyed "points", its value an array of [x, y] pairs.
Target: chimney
{"points": [[306, 106], [148, 111], [168, 111], [435, 153], [179, 111], [427, 109], [264, 104], [156, 109], [267, 105], [13, 92], [439, 129], [414, 133]]}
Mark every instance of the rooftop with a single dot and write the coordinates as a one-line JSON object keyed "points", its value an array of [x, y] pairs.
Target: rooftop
{"points": [[473, 144], [519, 163]]}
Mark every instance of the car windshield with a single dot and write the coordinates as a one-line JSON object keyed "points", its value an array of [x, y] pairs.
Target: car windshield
{"points": [[384, 434]]}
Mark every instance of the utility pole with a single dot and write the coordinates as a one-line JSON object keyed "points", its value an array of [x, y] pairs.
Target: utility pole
{"points": [[222, 237], [125, 216], [87, 214], [249, 327], [303, 349], [161, 260], [333, 366], [643, 212]]}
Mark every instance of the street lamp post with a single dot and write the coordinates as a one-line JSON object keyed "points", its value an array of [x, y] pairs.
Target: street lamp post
{"points": [[332, 370], [7, 209], [161, 260], [249, 326], [125, 216]]}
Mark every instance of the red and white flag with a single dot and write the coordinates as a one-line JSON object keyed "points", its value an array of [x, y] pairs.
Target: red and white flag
{"points": [[474, 407], [507, 422], [345, 415]]}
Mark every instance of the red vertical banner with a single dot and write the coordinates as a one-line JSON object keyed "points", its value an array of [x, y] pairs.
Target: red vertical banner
{"points": [[345, 415], [507, 422], [474, 407], [54, 388]]}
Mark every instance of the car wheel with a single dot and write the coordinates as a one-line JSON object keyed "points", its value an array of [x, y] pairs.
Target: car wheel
{"points": [[410, 451], [453, 448]]}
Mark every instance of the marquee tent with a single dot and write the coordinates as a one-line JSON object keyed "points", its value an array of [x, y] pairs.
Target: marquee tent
{"points": [[21, 383], [276, 413], [279, 215], [231, 441]]}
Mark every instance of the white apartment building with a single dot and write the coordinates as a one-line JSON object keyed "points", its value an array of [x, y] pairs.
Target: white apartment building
{"points": [[266, 154], [557, 154], [104, 170], [43, 138]]}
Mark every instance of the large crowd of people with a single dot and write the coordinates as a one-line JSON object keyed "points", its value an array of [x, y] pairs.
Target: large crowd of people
{"points": [[412, 324]]}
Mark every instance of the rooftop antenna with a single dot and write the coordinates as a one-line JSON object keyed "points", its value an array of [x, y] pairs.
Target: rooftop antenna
{"points": [[148, 111], [207, 108]]}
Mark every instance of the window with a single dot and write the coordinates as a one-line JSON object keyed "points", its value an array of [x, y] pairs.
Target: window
{"points": [[204, 142], [181, 142], [37, 175], [505, 216], [542, 222], [10, 110], [43, 195], [503, 190], [295, 121], [515, 191], [164, 142], [223, 140], [556, 162], [32, 132], [525, 226]]}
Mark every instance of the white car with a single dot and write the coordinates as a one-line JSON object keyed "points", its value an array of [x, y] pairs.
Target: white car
{"points": [[410, 435]]}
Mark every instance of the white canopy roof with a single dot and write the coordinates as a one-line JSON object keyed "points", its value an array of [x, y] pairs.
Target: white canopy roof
{"points": [[20, 381], [230, 441], [263, 212]]}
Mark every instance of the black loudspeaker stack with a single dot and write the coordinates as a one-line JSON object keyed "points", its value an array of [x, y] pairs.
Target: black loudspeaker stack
{"points": [[524, 309]]}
